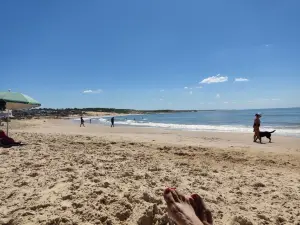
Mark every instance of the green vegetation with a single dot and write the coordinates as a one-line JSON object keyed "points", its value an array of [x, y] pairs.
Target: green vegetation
{"points": [[58, 113]]}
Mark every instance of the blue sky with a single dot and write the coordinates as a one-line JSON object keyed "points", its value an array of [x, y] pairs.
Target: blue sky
{"points": [[152, 54]]}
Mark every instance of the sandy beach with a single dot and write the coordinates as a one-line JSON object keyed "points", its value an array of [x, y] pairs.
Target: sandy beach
{"points": [[101, 175]]}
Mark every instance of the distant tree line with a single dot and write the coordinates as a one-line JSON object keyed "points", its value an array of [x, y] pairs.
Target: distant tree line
{"points": [[57, 113]]}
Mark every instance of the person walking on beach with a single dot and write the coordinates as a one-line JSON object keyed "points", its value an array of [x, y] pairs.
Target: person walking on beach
{"points": [[81, 121], [112, 120], [256, 126]]}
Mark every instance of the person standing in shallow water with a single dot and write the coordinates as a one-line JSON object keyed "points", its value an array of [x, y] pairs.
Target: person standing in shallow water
{"points": [[81, 121], [112, 120]]}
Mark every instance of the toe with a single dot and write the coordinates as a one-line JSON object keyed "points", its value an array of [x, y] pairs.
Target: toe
{"points": [[192, 202], [180, 196], [168, 196], [201, 211], [200, 207], [175, 195], [209, 217]]}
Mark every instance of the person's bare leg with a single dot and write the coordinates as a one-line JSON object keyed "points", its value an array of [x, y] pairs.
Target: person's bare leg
{"points": [[257, 136], [180, 209]]}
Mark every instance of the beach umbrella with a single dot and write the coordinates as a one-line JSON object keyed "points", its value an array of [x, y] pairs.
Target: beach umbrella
{"points": [[14, 100]]}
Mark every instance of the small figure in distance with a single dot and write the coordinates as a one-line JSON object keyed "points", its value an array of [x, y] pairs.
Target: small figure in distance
{"points": [[81, 122], [112, 120]]}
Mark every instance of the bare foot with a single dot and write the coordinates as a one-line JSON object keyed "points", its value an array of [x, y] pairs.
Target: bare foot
{"points": [[201, 211], [180, 209]]}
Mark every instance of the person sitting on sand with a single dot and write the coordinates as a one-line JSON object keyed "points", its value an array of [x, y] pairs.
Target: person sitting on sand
{"points": [[256, 126], [187, 210], [5, 140], [81, 121]]}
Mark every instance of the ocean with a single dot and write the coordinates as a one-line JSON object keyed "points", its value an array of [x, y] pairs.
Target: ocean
{"points": [[284, 121]]}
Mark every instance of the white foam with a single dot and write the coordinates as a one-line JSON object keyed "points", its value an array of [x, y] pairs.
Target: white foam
{"points": [[221, 128], [287, 131], [103, 120], [84, 118]]}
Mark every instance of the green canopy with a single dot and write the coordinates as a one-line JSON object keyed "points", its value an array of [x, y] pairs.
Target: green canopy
{"points": [[16, 100]]}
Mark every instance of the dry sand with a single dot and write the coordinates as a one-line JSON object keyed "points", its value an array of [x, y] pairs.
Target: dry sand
{"points": [[101, 175]]}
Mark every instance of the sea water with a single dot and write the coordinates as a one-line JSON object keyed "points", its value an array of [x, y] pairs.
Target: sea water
{"points": [[284, 121]]}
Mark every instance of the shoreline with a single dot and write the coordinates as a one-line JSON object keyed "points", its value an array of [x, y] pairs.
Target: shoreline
{"points": [[189, 127], [211, 138]]}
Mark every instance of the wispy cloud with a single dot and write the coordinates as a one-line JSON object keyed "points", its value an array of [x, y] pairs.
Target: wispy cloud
{"points": [[98, 91], [162, 90], [241, 79], [218, 96], [191, 92], [199, 87], [161, 99], [263, 100], [185, 88], [225, 102], [268, 99], [214, 79]]}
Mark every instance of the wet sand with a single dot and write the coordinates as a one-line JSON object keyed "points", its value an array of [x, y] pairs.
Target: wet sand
{"points": [[102, 175]]}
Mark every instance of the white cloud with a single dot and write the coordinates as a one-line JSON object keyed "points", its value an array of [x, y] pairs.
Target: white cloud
{"points": [[186, 88], [214, 79], [263, 100], [191, 92], [162, 90], [241, 79], [218, 96], [92, 91], [161, 99]]}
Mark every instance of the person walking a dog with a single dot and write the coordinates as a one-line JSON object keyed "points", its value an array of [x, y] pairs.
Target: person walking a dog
{"points": [[256, 126]]}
